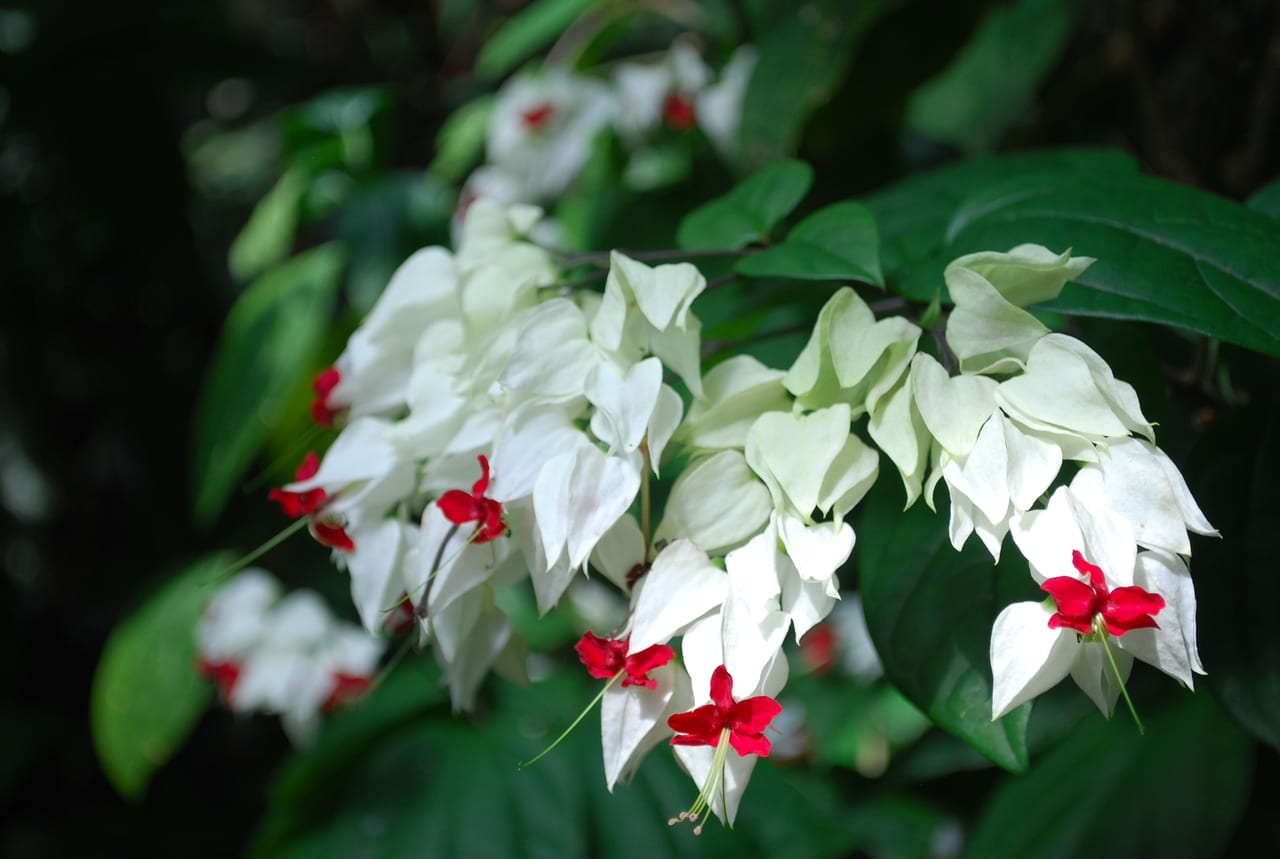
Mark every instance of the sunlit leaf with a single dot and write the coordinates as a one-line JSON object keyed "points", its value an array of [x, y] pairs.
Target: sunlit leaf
{"points": [[267, 236], [840, 242], [460, 143], [147, 694], [530, 30], [748, 212], [267, 343]]}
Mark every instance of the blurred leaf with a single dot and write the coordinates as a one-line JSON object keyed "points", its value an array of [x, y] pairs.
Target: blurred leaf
{"points": [[147, 695], [929, 610], [267, 342], [340, 110], [460, 143], [526, 33], [989, 86], [749, 211], [1267, 199], [1107, 791], [267, 237], [1167, 253], [913, 214], [1233, 471], [840, 242], [804, 54]]}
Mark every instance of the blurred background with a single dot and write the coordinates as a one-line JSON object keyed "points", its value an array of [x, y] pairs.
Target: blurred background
{"points": [[137, 136]]}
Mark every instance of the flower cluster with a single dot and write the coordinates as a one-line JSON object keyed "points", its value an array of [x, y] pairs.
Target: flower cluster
{"points": [[557, 407], [285, 655], [543, 124]]}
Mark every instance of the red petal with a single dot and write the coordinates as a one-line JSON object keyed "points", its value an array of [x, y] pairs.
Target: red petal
{"points": [[1079, 624], [326, 380], [480, 486], [722, 690], [599, 655], [640, 664], [310, 465], [753, 715], [1114, 627], [1073, 597], [1127, 603], [698, 727], [346, 688], [459, 507], [1093, 571], [679, 111], [750, 744], [334, 535]]}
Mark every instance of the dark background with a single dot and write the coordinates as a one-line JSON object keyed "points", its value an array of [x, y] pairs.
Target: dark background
{"points": [[115, 285]]}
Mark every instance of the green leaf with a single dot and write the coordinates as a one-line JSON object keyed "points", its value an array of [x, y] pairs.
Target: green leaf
{"points": [[267, 344], [749, 211], [913, 214], [1232, 471], [1267, 199], [147, 695], [526, 33], [460, 143], [804, 55], [1107, 791], [929, 610], [840, 242], [990, 85], [1167, 253], [267, 236]]}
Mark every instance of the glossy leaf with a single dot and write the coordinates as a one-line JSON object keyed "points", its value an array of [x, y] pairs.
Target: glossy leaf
{"points": [[1267, 199], [1233, 471], [913, 214], [990, 85], [1107, 791], [840, 242], [750, 211], [533, 28], [1167, 253], [147, 694], [929, 610], [267, 236], [267, 345], [803, 58]]}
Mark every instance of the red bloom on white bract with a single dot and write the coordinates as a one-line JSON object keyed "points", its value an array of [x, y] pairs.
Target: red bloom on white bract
{"points": [[308, 502], [1081, 605], [742, 722], [459, 507], [607, 657], [323, 410], [679, 112]]}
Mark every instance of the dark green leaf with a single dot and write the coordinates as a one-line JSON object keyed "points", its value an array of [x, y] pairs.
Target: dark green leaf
{"points": [[1233, 472], [1167, 253], [929, 610], [840, 242], [748, 212], [147, 695], [1107, 791], [913, 214], [804, 55], [1267, 199], [989, 86], [524, 34], [267, 343]]}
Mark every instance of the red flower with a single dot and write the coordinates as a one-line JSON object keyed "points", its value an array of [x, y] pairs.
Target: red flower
{"points": [[459, 507], [332, 534], [679, 112], [605, 657], [301, 503], [225, 674], [1080, 604], [346, 688], [536, 117], [323, 411], [744, 721]]}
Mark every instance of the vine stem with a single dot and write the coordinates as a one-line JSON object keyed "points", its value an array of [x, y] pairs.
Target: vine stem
{"points": [[589, 257], [1123, 691]]}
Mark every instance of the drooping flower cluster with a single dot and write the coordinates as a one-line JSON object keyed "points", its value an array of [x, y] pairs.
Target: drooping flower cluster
{"points": [[543, 124], [554, 408], [285, 655]]}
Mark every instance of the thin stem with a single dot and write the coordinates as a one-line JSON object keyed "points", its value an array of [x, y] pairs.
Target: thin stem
{"points": [[264, 476], [293, 528], [435, 566], [1123, 691], [722, 280], [711, 347], [586, 257], [569, 730]]}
